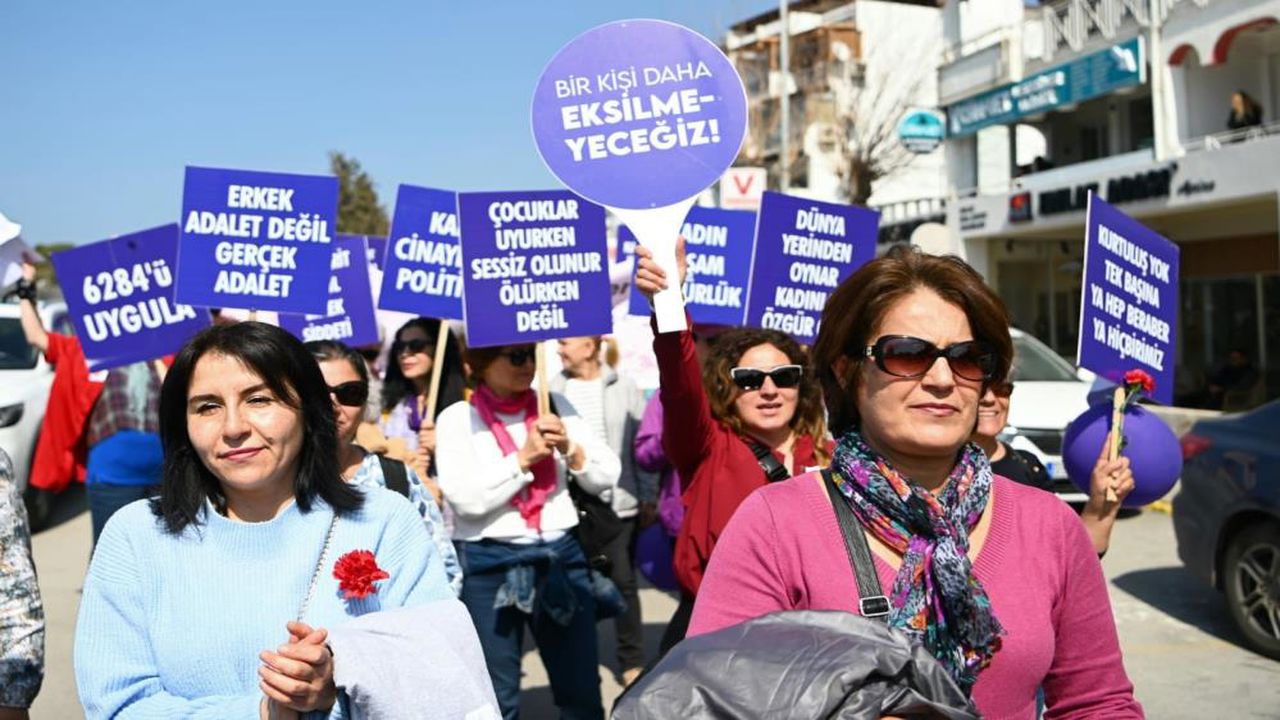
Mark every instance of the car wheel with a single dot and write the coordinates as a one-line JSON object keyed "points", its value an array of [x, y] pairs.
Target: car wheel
{"points": [[1251, 576]]}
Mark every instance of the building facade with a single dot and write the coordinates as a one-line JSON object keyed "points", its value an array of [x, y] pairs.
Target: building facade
{"points": [[853, 78], [1131, 100]]}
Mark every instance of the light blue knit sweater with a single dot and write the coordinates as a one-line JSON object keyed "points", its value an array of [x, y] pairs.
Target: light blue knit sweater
{"points": [[171, 626]]}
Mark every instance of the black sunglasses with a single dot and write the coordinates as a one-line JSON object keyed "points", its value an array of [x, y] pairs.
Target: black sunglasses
{"points": [[911, 357], [520, 357], [784, 376], [350, 394], [413, 345]]}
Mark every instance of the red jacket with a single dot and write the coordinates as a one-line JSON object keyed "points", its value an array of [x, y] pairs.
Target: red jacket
{"points": [[718, 468], [61, 451]]}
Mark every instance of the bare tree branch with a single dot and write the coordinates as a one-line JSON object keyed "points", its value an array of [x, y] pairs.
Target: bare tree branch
{"points": [[869, 116]]}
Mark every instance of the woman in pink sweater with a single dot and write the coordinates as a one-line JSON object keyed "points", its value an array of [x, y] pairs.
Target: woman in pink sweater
{"points": [[998, 581]]}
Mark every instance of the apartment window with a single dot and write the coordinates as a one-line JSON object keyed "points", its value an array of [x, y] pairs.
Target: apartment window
{"points": [[1141, 127], [1093, 143]]}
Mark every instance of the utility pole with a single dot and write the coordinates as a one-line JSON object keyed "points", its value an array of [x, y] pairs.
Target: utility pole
{"points": [[784, 105]]}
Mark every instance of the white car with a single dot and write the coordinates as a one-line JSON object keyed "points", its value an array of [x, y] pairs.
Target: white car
{"points": [[25, 379], [1048, 393]]}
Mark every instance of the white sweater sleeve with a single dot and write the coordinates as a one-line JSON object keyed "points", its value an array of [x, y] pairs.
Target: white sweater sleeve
{"points": [[473, 475], [603, 467]]}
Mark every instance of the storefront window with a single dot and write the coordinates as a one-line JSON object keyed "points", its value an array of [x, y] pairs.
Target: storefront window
{"points": [[1044, 296], [1224, 363]]}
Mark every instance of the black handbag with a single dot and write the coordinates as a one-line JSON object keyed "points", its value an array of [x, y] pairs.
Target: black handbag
{"points": [[598, 524]]}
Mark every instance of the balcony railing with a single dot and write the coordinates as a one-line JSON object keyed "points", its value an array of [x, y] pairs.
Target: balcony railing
{"points": [[1070, 24], [915, 209], [1230, 137]]}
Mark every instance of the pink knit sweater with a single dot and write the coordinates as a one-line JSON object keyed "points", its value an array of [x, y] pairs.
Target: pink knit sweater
{"points": [[783, 551]]}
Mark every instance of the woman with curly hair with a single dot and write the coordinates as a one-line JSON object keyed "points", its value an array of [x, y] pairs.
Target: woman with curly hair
{"points": [[753, 416]]}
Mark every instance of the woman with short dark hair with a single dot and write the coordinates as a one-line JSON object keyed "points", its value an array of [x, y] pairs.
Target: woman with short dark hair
{"points": [[997, 580], [211, 600]]}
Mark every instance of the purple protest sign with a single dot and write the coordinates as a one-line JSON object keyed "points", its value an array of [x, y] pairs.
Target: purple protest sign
{"points": [[349, 317], [255, 240], [120, 294], [423, 269], [377, 250], [639, 114], [804, 249], [1129, 300], [719, 246], [535, 267]]}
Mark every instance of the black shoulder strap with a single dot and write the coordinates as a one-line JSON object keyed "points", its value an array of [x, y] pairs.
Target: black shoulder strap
{"points": [[871, 599], [396, 475], [773, 470]]}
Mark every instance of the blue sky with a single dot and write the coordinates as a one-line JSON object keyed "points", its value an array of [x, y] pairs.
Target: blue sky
{"points": [[102, 104]]}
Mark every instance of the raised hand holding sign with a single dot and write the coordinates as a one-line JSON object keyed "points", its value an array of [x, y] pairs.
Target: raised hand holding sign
{"points": [[1128, 321], [641, 116], [120, 294]]}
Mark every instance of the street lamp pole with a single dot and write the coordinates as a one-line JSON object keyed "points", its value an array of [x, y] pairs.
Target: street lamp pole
{"points": [[784, 104]]}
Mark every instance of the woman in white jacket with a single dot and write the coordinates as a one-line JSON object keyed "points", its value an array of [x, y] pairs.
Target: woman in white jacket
{"points": [[505, 472]]}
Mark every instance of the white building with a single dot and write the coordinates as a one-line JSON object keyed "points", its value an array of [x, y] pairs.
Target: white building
{"points": [[856, 70], [1046, 103]]}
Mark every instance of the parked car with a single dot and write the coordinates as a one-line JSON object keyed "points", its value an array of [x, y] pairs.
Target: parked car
{"points": [[25, 379], [1048, 393], [1227, 517]]}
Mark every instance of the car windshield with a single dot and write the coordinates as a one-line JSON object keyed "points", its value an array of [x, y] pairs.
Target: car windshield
{"points": [[1034, 361], [15, 353]]}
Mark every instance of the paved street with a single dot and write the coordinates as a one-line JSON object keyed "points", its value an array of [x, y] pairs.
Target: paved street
{"points": [[1179, 645]]}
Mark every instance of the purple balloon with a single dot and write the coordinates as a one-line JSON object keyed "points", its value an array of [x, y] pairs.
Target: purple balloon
{"points": [[653, 557], [639, 114], [1155, 456]]}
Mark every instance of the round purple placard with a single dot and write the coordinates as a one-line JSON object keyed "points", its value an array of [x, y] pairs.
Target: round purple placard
{"points": [[639, 114]]}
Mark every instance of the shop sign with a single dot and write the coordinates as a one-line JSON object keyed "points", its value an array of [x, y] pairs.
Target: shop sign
{"points": [[1195, 187], [921, 131], [1130, 188], [1020, 207], [1085, 78], [972, 218], [742, 187]]}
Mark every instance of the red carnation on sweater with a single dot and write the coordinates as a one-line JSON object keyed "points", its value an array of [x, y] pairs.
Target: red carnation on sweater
{"points": [[1140, 377], [356, 572]]}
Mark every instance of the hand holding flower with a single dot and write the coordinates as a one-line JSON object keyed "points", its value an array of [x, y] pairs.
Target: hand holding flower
{"points": [[1136, 382]]}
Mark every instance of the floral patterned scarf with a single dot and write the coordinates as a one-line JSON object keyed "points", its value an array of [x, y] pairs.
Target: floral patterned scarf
{"points": [[936, 596]]}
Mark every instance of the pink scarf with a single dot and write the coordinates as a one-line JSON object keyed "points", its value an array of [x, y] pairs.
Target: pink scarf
{"points": [[530, 500]]}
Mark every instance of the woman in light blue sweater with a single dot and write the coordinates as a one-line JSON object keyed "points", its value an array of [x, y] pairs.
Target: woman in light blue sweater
{"points": [[212, 600]]}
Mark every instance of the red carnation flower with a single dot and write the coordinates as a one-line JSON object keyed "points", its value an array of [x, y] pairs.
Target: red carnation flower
{"points": [[356, 572], [1140, 378]]}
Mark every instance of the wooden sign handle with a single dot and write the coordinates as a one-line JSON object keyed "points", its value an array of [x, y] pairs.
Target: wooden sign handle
{"points": [[1116, 436], [437, 370], [544, 391]]}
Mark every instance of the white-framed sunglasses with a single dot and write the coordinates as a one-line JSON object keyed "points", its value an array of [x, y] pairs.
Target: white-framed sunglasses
{"points": [[784, 376]]}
